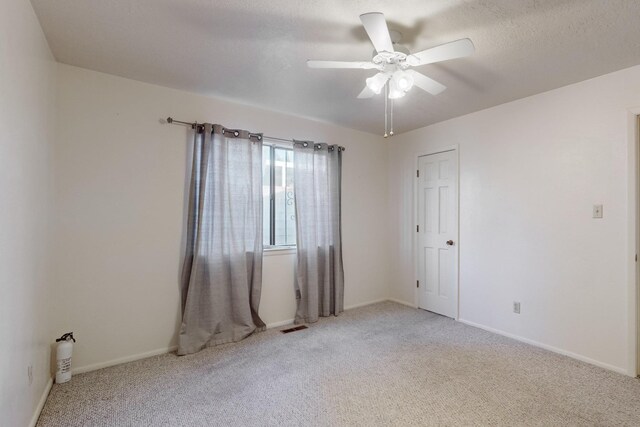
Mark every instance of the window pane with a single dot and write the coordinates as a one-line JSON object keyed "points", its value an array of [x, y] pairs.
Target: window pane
{"points": [[266, 190], [278, 197], [285, 210]]}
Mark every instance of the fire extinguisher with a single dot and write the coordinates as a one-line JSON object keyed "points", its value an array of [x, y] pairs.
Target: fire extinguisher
{"points": [[63, 357]]}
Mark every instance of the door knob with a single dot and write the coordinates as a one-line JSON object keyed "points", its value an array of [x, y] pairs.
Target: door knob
{"points": [[450, 242]]}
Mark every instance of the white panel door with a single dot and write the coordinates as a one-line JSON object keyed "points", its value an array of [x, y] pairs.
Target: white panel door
{"points": [[437, 229]]}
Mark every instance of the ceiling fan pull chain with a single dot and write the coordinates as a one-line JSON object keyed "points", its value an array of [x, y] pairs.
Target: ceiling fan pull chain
{"points": [[391, 132], [386, 97]]}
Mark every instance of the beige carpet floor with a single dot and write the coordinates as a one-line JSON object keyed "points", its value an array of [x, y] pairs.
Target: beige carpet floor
{"points": [[384, 364]]}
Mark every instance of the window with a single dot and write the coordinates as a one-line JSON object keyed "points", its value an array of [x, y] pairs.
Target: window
{"points": [[279, 209]]}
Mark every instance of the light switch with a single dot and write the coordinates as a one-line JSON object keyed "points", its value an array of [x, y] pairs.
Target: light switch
{"points": [[597, 211]]}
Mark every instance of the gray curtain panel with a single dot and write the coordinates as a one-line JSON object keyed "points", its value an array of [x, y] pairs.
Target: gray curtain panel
{"points": [[222, 273], [319, 270]]}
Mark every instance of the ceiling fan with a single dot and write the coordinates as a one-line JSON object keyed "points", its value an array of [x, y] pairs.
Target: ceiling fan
{"points": [[394, 61]]}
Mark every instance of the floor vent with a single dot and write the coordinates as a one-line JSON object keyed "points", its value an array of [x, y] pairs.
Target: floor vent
{"points": [[295, 328]]}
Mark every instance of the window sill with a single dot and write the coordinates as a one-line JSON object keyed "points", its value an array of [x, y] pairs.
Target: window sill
{"points": [[279, 250]]}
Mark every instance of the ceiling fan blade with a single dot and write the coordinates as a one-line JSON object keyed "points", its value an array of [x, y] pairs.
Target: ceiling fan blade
{"points": [[366, 93], [425, 83], [452, 50], [341, 64], [377, 30]]}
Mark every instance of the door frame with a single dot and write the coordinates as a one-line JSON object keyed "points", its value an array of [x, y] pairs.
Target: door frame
{"points": [[416, 251], [633, 156]]}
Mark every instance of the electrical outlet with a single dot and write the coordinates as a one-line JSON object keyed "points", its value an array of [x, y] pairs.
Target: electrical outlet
{"points": [[597, 211], [516, 307], [30, 374]]}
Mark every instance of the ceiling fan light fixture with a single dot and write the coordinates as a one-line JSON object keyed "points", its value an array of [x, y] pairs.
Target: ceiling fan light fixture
{"points": [[377, 82], [396, 94], [394, 90], [403, 80]]}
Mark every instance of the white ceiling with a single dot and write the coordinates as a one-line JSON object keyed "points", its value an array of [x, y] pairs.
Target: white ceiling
{"points": [[254, 52]]}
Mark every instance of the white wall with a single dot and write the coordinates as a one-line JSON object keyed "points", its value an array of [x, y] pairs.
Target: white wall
{"points": [[27, 94], [120, 193], [530, 171]]}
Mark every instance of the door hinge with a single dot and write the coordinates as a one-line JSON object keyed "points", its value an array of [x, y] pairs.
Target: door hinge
{"points": [[418, 173], [417, 283], [636, 257], [417, 228]]}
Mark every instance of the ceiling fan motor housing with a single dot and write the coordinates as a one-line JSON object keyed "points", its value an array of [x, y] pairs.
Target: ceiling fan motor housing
{"points": [[398, 57]]}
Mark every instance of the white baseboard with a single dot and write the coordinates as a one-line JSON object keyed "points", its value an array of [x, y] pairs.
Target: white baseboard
{"points": [[364, 304], [548, 347], [118, 361], [350, 307], [408, 304], [43, 399]]}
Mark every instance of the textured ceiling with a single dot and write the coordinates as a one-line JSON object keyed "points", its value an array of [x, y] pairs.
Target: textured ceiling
{"points": [[254, 52]]}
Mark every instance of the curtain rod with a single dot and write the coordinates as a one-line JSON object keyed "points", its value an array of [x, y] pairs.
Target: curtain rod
{"points": [[193, 125]]}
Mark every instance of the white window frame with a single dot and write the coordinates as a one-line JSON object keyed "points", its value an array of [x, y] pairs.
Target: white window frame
{"points": [[272, 246]]}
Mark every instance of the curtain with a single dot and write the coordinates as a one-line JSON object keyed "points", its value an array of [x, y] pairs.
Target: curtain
{"points": [[319, 281], [222, 272]]}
